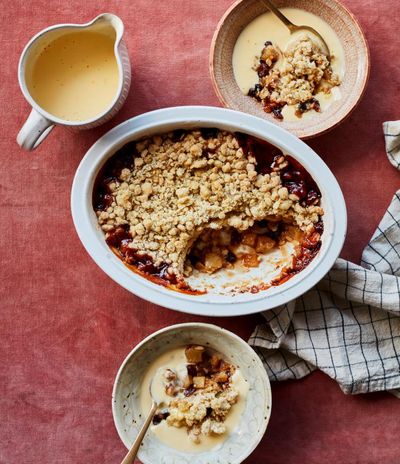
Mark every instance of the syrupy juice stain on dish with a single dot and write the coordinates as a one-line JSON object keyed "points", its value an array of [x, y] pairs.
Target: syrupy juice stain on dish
{"points": [[294, 177]]}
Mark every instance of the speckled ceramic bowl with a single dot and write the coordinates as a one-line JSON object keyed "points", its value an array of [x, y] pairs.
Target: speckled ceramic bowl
{"points": [[128, 384], [356, 57]]}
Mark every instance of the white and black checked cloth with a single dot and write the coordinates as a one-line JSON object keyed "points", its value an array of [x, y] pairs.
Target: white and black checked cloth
{"points": [[349, 324]]}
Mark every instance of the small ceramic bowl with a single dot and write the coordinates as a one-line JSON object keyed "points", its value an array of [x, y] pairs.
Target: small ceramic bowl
{"points": [[128, 417], [356, 62]]}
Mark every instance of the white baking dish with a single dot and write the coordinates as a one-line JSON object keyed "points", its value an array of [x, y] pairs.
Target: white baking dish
{"points": [[212, 303]]}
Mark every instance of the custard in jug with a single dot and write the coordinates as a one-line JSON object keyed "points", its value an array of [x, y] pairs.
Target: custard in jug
{"points": [[75, 77]]}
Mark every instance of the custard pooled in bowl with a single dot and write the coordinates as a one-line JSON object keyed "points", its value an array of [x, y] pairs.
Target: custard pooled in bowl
{"points": [[202, 201]]}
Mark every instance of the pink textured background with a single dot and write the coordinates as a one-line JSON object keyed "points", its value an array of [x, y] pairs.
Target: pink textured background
{"points": [[65, 326]]}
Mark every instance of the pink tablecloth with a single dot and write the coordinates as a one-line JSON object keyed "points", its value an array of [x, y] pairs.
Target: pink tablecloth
{"points": [[65, 326]]}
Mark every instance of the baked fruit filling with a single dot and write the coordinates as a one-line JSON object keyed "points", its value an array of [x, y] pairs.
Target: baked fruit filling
{"points": [[225, 249], [205, 200]]}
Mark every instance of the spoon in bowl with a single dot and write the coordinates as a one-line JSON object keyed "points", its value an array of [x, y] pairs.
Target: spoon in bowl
{"points": [[131, 455], [294, 28]]}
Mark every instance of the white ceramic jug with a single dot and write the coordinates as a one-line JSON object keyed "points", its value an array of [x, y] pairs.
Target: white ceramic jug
{"points": [[40, 122]]}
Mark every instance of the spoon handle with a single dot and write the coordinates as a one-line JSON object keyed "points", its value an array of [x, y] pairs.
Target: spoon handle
{"points": [[278, 13], [131, 455]]}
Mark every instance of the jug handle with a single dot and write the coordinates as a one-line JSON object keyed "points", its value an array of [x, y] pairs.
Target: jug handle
{"points": [[34, 131]]}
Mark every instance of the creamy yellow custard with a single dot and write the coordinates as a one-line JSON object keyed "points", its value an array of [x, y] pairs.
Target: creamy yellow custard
{"points": [[75, 77], [178, 438], [267, 27]]}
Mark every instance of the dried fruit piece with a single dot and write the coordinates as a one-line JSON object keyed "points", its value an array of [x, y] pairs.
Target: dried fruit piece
{"points": [[191, 370], [221, 377], [213, 262], [249, 238], [250, 260], [194, 354], [199, 382], [215, 361], [264, 244], [160, 416], [189, 391]]}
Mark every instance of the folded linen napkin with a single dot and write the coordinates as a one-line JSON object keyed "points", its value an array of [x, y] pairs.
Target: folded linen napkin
{"points": [[348, 325]]}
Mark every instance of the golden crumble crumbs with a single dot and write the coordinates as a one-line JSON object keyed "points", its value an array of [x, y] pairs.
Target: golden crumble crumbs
{"points": [[198, 395], [172, 188], [293, 77]]}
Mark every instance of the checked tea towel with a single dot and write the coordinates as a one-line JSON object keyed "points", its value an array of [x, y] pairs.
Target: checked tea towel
{"points": [[348, 325]]}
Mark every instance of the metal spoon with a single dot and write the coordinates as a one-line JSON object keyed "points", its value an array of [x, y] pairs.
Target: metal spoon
{"points": [[131, 455], [294, 28]]}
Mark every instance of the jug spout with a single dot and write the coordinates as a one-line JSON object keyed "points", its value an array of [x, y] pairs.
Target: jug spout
{"points": [[108, 22]]}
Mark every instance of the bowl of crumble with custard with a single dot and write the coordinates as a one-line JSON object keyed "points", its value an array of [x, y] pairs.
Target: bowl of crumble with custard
{"points": [[259, 66], [208, 211], [212, 391]]}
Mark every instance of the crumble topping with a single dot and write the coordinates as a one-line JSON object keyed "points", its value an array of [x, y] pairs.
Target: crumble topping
{"points": [[174, 186], [193, 412], [201, 396], [293, 77]]}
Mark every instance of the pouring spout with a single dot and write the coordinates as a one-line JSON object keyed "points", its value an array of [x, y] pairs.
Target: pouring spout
{"points": [[109, 20]]}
